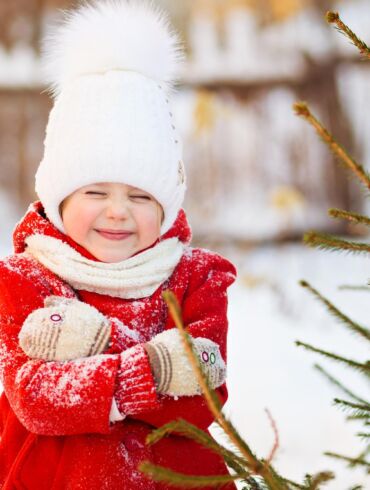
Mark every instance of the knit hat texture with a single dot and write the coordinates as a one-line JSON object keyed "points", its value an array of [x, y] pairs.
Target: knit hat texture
{"points": [[111, 66]]}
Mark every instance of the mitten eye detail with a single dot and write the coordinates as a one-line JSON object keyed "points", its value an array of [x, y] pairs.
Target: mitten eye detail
{"points": [[55, 317], [205, 356], [211, 358]]}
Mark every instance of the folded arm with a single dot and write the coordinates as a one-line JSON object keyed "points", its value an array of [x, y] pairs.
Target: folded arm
{"points": [[61, 397]]}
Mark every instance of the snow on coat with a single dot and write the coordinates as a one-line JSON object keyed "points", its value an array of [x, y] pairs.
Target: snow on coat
{"points": [[55, 424]]}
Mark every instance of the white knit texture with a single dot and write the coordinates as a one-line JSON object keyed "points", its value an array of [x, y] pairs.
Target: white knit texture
{"points": [[65, 329], [136, 277], [183, 379], [111, 65]]}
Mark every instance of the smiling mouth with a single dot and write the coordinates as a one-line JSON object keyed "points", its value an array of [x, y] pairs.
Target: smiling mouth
{"points": [[114, 235]]}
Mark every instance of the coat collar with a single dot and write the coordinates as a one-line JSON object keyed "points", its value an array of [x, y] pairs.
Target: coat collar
{"points": [[35, 221]]}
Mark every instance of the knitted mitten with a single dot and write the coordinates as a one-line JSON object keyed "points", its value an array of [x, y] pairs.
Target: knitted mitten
{"points": [[64, 329], [171, 367], [135, 387]]}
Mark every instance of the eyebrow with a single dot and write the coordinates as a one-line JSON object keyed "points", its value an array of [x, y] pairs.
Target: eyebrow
{"points": [[103, 184]]}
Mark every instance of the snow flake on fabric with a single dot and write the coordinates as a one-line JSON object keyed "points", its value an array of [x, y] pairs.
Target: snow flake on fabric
{"points": [[25, 371], [63, 388], [125, 331], [137, 306], [188, 252], [6, 357]]}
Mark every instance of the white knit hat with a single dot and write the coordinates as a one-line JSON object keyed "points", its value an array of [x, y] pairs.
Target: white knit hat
{"points": [[111, 66]]}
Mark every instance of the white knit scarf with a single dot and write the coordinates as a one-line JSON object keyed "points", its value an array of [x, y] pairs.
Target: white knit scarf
{"points": [[136, 277]]}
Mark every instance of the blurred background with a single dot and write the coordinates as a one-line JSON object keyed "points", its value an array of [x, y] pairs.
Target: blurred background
{"points": [[258, 177]]}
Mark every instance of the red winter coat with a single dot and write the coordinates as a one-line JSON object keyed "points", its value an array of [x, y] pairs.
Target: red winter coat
{"points": [[54, 416]]}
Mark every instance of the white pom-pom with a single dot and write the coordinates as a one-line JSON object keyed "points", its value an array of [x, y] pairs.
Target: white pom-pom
{"points": [[106, 35]]}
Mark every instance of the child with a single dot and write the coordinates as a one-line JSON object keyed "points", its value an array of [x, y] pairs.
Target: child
{"points": [[90, 359]]}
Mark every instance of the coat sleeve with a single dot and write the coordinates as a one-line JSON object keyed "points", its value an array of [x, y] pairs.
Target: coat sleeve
{"points": [[204, 311], [49, 398]]}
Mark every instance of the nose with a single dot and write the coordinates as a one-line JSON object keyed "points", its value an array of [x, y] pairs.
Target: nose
{"points": [[117, 209]]}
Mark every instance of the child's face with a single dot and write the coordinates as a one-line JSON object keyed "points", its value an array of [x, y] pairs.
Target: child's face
{"points": [[112, 221]]}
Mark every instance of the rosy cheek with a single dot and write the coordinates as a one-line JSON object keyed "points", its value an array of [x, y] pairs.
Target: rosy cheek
{"points": [[145, 220], [82, 217]]}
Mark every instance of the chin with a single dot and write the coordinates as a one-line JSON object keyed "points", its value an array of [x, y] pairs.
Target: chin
{"points": [[111, 258]]}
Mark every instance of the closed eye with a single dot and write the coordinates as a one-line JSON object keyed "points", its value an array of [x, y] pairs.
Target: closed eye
{"points": [[141, 197], [92, 193]]}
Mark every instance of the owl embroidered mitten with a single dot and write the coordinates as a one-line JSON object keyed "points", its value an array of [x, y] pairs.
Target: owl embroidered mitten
{"points": [[64, 329], [172, 370]]}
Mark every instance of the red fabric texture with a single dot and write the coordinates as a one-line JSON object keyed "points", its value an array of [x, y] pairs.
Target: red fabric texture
{"points": [[54, 416], [135, 391]]}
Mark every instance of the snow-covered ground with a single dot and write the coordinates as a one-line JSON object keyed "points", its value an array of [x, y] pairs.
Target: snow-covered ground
{"points": [[267, 370]]}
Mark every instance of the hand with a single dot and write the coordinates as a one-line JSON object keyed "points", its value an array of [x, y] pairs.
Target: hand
{"points": [[64, 329], [172, 370]]}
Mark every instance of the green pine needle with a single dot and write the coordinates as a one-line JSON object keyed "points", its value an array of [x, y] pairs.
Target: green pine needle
{"points": [[333, 18], [186, 429], [352, 461], [344, 319], [363, 368], [365, 417], [161, 474], [302, 109], [254, 484], [313, 481], [348, 287], [361, 408], [363, 435], [337, 383], [324, 241]]}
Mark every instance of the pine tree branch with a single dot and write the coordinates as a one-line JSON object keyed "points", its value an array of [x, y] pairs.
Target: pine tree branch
{"points": [[363, 435], [295, 485], [253, 484], [358, 411], [282, 481], [344, 319], [365, 417], [301, 109], [324, 241], [337, 383], [186, 429], [347, 287], [352, 461], [333, 18], [350, 216], [364, 368], [313, 481], [360, 407], [365, 452], [257, 467], [165, 475]]}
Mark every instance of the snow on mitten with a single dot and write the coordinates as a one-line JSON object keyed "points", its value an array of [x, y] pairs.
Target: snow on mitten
{"points": [[172, 370], [64, 329]]}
